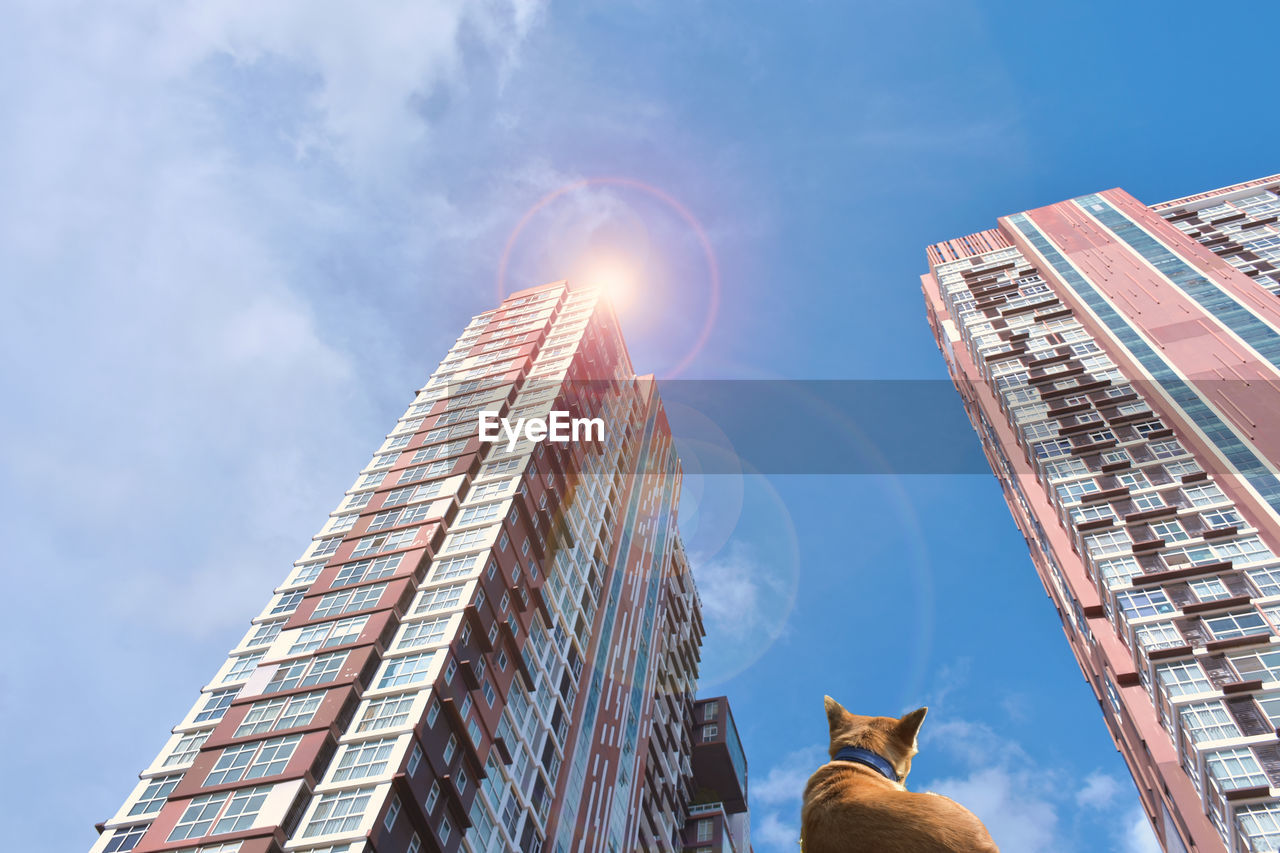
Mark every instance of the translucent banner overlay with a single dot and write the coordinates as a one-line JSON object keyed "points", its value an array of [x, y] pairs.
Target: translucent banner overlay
{"points": [[864, 426]]}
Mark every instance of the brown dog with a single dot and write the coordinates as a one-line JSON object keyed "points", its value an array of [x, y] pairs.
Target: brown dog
{"points": [[856, 803]]}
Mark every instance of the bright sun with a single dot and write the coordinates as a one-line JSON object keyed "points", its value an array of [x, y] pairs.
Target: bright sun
{"points": [[615, 277]]}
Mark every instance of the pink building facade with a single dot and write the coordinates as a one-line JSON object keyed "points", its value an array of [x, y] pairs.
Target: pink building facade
{"points": [[1121, 366]]}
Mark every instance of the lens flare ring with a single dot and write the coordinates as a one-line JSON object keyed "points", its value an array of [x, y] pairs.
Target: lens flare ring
{"points": [[713, 268]]}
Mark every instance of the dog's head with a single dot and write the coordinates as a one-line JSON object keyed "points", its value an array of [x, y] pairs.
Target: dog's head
{"points": [[895, 739]]}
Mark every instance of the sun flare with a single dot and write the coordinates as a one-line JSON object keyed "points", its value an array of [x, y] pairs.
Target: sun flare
{"points": [[615, 277]]}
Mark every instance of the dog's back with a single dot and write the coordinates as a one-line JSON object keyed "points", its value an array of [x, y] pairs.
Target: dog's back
{"points": [[857, 803]]}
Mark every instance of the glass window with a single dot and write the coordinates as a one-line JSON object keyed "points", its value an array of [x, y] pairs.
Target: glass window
{"points": [[1147, 500], [1107, 542], [1264, 665], [242, 666], [413, 494], [1246, 549], [307, 672], [1260, 823], [480, 514], [126, 838], [385, 712], [264, 634], [1141, 603], [1170, 531], [348, 600], [287, 603], [1266, 580], [424, 633], [1069, 492], [385, 542], [1146, 428], [1160, 635], [253, 760], [1209, 589], [1241, 624], [1165, 449], [184, 751], [453, 567], [411, 669], [372, 569], [1092, 512], [1182, 678], [1206, 721], [1205, 494], [362, 760], [325, 547], [1115, 456], [329, 634], [1236, 768], [1117, 571], [215, 814], [216, 704], [340, 811], [467, 539], [1133, 479], [1270, 706], [279, 714], [1181, 468], [154, 795], [439, 598], [1219, 518], [305, 574]]}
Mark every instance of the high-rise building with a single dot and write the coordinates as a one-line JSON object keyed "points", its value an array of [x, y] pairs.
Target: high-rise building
{"points": [[1120, 364], [487, 646], [718, 818]]}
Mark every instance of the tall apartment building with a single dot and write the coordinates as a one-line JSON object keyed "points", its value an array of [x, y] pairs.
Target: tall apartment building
{"points": [[484, 648], [1120, 364], [718, 818]]}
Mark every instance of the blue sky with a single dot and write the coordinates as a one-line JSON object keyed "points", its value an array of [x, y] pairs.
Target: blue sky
{"points": [[235, 236]]}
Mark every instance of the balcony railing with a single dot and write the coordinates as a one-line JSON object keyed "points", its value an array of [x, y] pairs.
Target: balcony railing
{"points": [[703, 808]]}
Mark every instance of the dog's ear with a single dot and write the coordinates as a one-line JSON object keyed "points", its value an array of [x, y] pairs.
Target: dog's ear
{"points": [[909, 726], [835, 712]]}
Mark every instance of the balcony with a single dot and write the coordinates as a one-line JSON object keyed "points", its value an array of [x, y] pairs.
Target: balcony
{"points": [[721, 839]]}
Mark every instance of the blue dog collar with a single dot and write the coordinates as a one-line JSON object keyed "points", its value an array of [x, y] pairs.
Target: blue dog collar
{"points": [[866, 757]]}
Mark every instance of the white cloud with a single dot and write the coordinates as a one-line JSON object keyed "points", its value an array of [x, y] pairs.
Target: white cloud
{"points": [[785, 781], [773, 834], [776, 798], [736, 591], [1026, 804], [1017, 815], [1016, 798], [730, 597], [370, 64], [212, 215], [950, 678], [1100, 791], [1137, 835], [974, 743], [168, 260]]}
